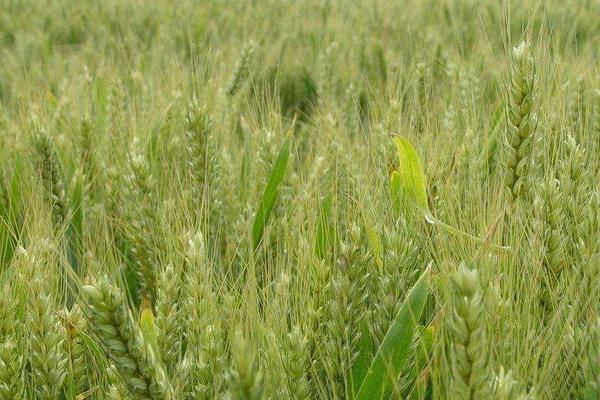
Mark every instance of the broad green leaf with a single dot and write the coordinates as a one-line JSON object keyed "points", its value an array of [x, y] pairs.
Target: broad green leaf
{"points": [[408, 184], [393, 351], [10, 215], [325, 231], [360, 367], [269, 197], [411, 176]]}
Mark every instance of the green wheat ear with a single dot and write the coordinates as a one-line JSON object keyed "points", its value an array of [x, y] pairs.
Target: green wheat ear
{"points": [[245, 378], [505, 387], [521, 122], [469, 358], [12, 349], [12, 369], [123, 340], [77, 364], [52, 177], [47, 358], [241, 70], [296, 363]]}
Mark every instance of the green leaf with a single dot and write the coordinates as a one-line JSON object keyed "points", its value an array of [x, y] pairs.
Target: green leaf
{"points": [[10, 216], [411, 179], [393, 351], [360, 367], [325, 231], [408, 183], [269, 197]]}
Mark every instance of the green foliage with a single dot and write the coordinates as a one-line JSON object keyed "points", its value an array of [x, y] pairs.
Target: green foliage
{"points": [[271, 192], [162, 236], [10, 214], [393, 351], [410, 177]]}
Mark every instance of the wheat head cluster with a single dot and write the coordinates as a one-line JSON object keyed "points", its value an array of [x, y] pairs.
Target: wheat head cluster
{"points": [[320, 199]]}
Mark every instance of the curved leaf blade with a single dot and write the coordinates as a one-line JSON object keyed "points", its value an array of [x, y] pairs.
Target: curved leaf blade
{"points": [[393, 351], [411, 177], [271, 192]]}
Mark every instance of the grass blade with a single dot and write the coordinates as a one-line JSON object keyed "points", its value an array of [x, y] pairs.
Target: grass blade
{"points": [[393, 351], [10, 216], [269, 197], [411, 178]]}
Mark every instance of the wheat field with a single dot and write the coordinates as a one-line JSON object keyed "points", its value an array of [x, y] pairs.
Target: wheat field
{"points": [[320, 199]]}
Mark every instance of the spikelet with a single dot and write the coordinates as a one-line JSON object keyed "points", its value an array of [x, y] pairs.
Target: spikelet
{"points": [[116, 390], [52, 177], [117, 102], [77, 365], [168, 317], [143, 219], [121, 337], [244, 378], [12, 369], [88, 157], [241, 70], [12, 358], [521, 122], [400, 256], [505, 387], [200, 157], [296, 363], [184, 382], [469, 92], [553, 222], [468, 352], [8, 308], [46, 356], [346, 313], [574, 189], [204, 361]]}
